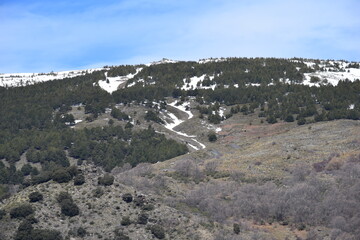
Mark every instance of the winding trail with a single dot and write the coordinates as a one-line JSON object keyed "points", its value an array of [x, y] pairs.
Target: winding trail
{"points": [[176, 121]]}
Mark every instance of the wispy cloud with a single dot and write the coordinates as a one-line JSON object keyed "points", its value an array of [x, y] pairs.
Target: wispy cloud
{"points": [[44, 36]]}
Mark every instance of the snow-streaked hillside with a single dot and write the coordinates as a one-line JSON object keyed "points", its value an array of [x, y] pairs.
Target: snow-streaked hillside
{"points": [[23, 79], [324, 72], [111, 84]]}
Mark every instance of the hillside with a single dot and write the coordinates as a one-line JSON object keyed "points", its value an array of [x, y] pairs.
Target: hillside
{"points": [[230, 148]]}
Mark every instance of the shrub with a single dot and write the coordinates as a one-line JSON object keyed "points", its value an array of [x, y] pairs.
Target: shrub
{"points": [[79, 180], [21, 211], [69, 208], [158, 231], [44, 176], [127, 197], [61, 176], [125, 221], [98, 192], [106, 180], [81, 232], [35, 197], [2, 213], [301, 121], [119, 235], [26, 169], [148, 207], [236, 228], [62, 196], [46, 234], [289, 118], [139, 200], [72, 170], [212, 137], [143, 218]]}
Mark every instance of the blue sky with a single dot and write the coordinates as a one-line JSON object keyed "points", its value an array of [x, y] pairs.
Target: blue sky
{"points": [[44, 36]]}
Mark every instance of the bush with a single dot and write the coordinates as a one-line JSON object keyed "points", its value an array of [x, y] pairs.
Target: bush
{"points": [[212, 137], [46, 234], [35, 197], [289, 118], [158, 231], [21, 211], [69, 208], [81, 232], [98, 192], [127, 197], [148, 207], [119, 235], [125, 221], [236, 228], [62, 196], [143, 218], [79, 180], [61, 176], [106, 180], [26, 169], [301, 121], [2, 214], [72, 170]]}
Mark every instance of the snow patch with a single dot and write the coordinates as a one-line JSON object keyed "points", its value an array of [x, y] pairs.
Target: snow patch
{"points": [[162, 61], [111, 84], [195, 81], [183, 107], [24, 79], [333, 78], [207, 60]]}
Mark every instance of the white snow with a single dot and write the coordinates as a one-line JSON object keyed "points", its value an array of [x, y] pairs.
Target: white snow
{"points": [[78, 121], [211, 127], [333, 78], [207, 60], [111, 84], [221, 111], [351, 106], [253, 84], [202, 145], [23, 79], [183, 107], [174, 121], [193, 84], [196, 148], [162, 61]]}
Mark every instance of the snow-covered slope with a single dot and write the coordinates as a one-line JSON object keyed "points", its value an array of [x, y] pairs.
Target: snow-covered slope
{"points": [[111, 84], [23, 79], [330, 72], [325, 72]]}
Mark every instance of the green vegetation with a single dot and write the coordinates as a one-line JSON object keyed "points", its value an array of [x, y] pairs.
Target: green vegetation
{"points": [[35, 197], [106, 180], [157, 231], [21, 211], [127, 197], [68, 207], [212, 137]]}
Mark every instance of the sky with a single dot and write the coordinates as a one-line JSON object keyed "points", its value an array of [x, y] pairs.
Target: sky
{"points": [[44, 35]]}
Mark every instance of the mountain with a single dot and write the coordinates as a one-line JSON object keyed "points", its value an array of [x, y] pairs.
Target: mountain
{"points": [[227, 148]]}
